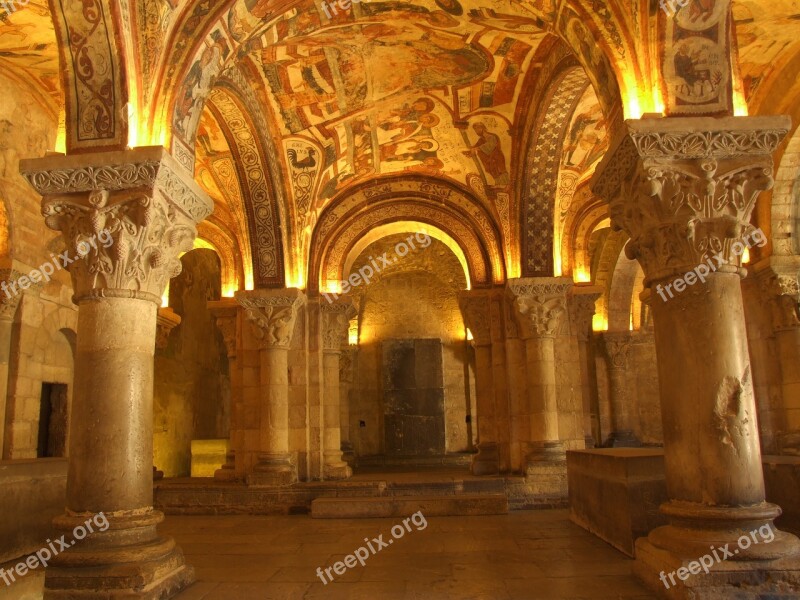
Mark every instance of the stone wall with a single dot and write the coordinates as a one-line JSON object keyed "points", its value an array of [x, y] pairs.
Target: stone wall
{"points": [[414, 298], [192, 383]]}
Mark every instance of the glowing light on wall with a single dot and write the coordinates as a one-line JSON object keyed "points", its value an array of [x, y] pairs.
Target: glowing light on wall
{"points": [[352, 332], [599, 322], [746, 256], [470, 337], [61, 136], [582, 275]]}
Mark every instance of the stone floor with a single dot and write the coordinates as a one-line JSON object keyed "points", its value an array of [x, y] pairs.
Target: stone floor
{"points": [[524, 555]]}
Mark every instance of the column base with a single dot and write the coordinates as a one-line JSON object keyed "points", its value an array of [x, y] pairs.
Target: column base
{"points": [[273, 470], [789, 443], [743, 580], [623, 439], [337, 472], [129, 560], [228, 471], [348, 453], [487, 460], [546, 470]]}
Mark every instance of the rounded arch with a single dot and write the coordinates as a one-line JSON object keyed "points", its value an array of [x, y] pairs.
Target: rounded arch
{"points": [[442, 205], [388, 229]]}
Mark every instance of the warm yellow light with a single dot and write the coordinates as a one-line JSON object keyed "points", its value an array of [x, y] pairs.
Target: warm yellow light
{"points": [[61, 136], [228, 290], [746, 256], [740, 108], [352, 332], [582, 275], [470, 337], [599, 323]]}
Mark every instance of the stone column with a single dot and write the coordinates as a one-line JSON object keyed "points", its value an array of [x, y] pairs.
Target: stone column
{"points": [[541, 307], [779, 284], [225, 313], [582, 310], [476, 309], [335, 326], [617, 345], [8, 308], [684, 191], [272, 315], [348, 361], [516, 375], [148, 206]]}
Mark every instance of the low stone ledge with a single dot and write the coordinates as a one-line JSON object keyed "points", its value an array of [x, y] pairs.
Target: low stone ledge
{"points": [[616, 493], [403, 506]]}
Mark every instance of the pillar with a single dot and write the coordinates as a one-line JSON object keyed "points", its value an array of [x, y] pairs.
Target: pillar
{"points": [[272, 315], [541, 309], [779, 285], [476, 310], [684, 190], [582, 309], [149, 206], [617, 346], [335, 327], [348, 361], [8, 308], [516, 377], [225, 313]]}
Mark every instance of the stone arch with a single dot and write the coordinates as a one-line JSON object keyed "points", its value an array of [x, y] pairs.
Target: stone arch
{"points": [[94, 73], [462, 217], [224, 244], [541, 168], [264, 215]]}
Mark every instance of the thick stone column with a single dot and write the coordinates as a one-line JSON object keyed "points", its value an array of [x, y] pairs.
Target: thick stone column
{"points": [[148, 207], [272, 315], [582, 309], [335, 326], [779, 284], [684, 190], [517, 383], [225, 313], [476, 310], [541, 306], [617, 345]]}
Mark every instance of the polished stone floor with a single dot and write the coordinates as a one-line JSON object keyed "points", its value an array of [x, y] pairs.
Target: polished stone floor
{"points": [[523, 555]]}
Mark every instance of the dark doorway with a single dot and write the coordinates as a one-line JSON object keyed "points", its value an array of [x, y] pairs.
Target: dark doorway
{"points": [[53, 421], [413, 394]]}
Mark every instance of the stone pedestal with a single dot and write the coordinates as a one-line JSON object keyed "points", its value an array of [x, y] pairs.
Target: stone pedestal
{"points": [[148, 207], [617, 347], [272, 315], [684, 190], [335, 326], [541, 310], [475, 307]]}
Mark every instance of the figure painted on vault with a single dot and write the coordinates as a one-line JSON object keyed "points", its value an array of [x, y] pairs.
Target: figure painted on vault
{"points": [[490, 154]]}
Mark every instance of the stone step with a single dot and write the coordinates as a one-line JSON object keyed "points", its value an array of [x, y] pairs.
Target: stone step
{"points": [[403, 506]]}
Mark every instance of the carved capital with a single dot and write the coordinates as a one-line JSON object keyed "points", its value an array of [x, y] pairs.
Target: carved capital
{"points": [[125, 217], [272, 314], [335, 323], [477, 312], [225, 314], [618, 345], [540, 304], [778, 280], [582, 309], [684, 189], [167, 320]]}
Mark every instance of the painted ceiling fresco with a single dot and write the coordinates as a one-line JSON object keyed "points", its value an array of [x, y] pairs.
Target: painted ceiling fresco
{"points": [[386, 87]]}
